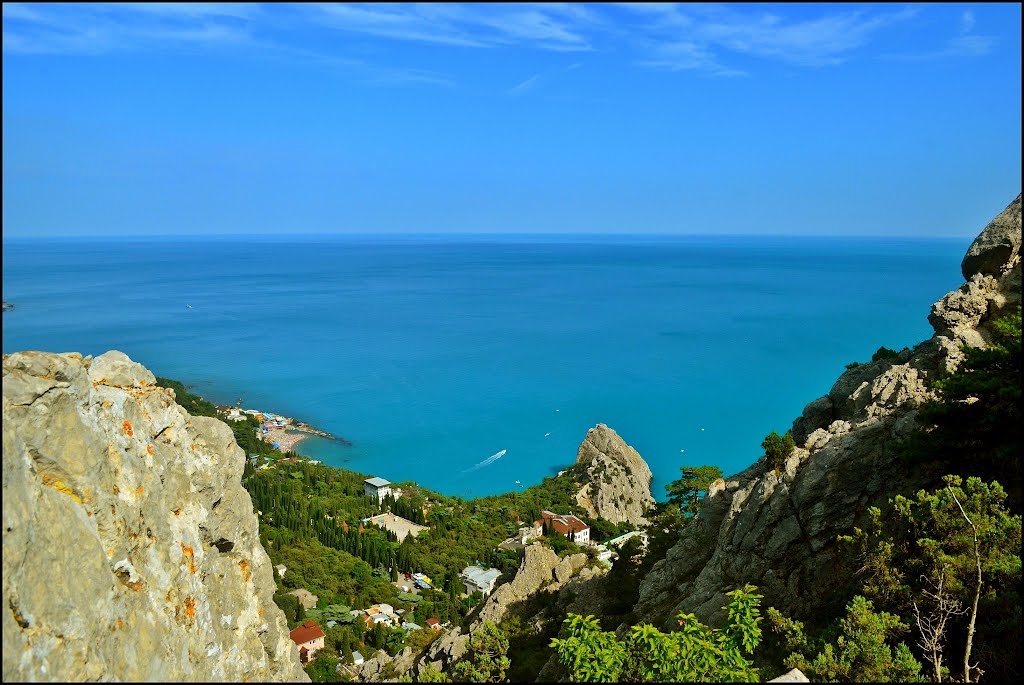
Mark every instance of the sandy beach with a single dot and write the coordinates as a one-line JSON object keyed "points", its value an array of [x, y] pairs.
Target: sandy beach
{"points": [[286, 438]]}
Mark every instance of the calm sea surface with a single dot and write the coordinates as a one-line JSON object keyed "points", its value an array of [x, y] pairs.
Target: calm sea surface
{"points": [[431, 354]]}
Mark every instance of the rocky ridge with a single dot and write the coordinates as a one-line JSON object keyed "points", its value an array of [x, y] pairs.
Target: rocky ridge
{"points": [[778, 530], [540, 571], [617, 485], [131, 550]]}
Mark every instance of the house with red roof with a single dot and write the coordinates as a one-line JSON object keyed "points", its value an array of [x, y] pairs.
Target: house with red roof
{"points": [[433, 624], [310, 639], [567, 525]]}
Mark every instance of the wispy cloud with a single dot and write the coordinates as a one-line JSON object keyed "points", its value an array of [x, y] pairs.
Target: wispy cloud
{"points": [[538, 26], [714, 39], [530, 83], [706, 38], [524, 86], [101, 28], [966, 21], [94, 29], [965, 44]]}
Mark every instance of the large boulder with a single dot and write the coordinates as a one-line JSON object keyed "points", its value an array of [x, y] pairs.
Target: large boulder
{"points": [[131, 550], [996, 246], [618, 481]]}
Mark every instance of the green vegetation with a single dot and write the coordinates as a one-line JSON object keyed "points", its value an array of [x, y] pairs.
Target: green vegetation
{"points": [[686, 492], [486, 660], [778, 449], [694, 653], [946, 558], [860, 648], [881, 353], [973, 428]]}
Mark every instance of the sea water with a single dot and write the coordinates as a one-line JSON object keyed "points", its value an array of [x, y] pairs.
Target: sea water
{"points": [[433, 354]]}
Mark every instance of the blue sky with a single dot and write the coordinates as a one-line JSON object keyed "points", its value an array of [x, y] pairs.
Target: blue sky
{"points": [[148, 119]]}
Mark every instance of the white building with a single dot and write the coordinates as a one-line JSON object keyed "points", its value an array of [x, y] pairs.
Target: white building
{"points": [[376, 487], [567, 525], [479, 579]]}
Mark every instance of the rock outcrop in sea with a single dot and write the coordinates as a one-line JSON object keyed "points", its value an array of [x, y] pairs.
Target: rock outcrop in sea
{"points": [[618, 481], [778, 530], [130, 549]]}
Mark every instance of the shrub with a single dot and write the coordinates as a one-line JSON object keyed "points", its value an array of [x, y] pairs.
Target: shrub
{"points": [[778, 449]]}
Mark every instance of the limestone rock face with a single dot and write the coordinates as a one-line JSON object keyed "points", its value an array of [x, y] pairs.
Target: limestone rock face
{"points": [[618, 485], [778, 530], [131, 550], [996, 246]]}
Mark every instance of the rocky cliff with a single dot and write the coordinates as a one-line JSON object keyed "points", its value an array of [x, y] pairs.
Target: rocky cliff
{"points": [[541, 571], [778, 530], [130, 549], [617, 484]]}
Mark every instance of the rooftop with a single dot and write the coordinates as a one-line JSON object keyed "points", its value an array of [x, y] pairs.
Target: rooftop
{"points": [[306, 632], [377, 482], [480, 576]]}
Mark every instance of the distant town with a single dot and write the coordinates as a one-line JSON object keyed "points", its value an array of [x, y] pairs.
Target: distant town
{"points": [[478, 578]]}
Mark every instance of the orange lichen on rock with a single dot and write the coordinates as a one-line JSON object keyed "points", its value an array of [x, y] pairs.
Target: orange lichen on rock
{"points": [[244, 565], [261, 612], [120, 623], [59, 486], [137, 585], [190, 607], [127, 426], [138, 491], [149, 450], [189, 555], [177, 512]]}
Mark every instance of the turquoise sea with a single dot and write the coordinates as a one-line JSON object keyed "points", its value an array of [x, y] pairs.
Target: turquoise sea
{"points": [[431, 354]]}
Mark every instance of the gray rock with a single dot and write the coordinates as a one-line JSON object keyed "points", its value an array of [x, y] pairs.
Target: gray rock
{"points": [[113, 498], [778, 530], [618, 486], [996, 246]]}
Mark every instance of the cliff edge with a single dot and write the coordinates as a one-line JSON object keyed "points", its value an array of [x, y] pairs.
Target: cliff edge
{"points": [[777, 529], [130, 549]]}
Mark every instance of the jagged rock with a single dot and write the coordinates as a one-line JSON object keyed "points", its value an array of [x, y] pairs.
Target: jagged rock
{"points": [[996, 246], [618, 486], [541, 569], [377, 668], [778, 530], [131, 550]]}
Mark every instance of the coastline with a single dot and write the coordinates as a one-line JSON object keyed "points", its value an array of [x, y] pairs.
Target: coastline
{"points": [[287, 438]]}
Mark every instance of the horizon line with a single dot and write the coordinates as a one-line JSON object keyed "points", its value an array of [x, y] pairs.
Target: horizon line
{"points": [[471, 235]]}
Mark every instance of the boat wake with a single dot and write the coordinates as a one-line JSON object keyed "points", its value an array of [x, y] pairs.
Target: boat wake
{"points": [[489, 460]]}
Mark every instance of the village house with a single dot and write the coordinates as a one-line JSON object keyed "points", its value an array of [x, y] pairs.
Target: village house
{"points": [[380, 613], [478, 579], [357, 658], [567, 525], [434, 624], [377, 487], [310, 640], [527, 533]]}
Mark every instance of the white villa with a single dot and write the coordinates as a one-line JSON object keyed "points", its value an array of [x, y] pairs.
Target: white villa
{"points": [[376, 487], [476, 578]]}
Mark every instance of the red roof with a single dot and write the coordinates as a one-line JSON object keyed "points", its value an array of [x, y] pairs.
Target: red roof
{"points": [[306, 632], [432, 621], [562, 523]]}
